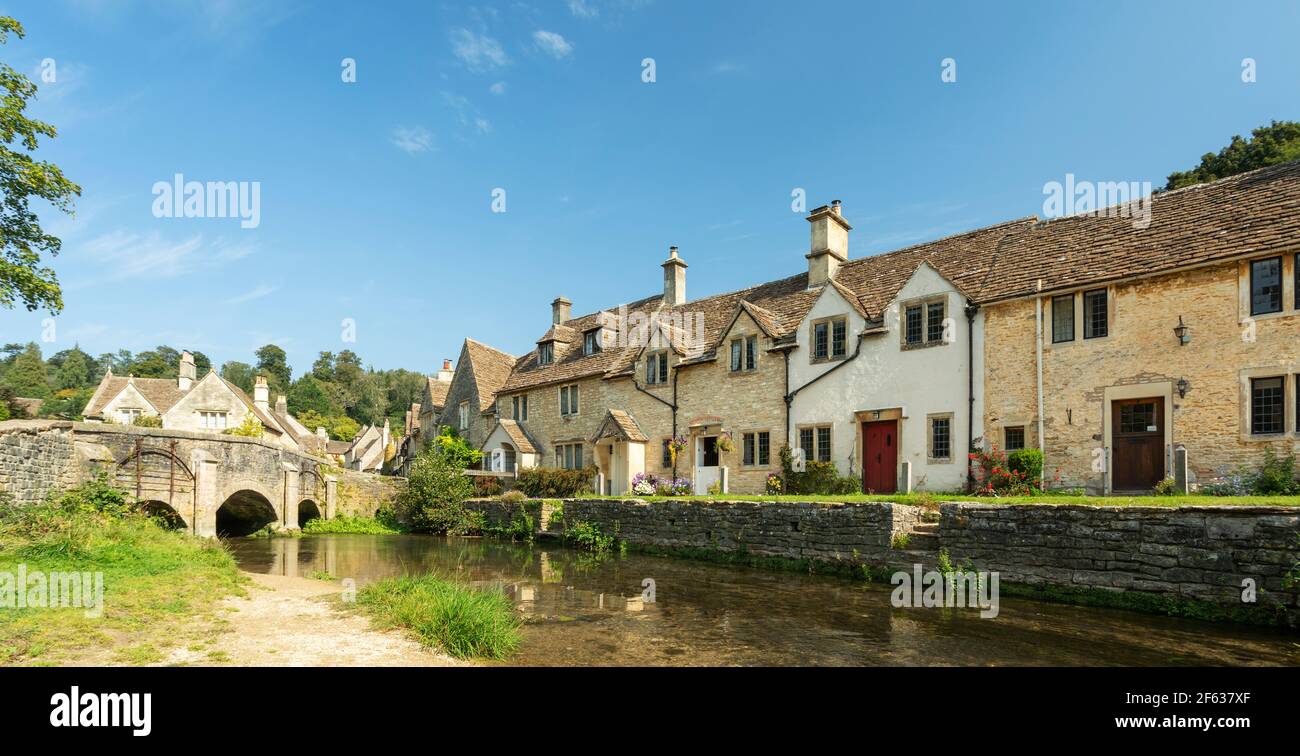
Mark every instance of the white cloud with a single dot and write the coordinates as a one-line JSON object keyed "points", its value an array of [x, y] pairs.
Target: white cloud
{"points": [[498, 89], [262, 290], [412, 140], [150, 256], [581, 9], [552, 44], [482, 125], [477, 51]]}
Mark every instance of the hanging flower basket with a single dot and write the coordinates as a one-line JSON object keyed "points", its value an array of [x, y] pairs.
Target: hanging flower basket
{"points": [[725, 443]]}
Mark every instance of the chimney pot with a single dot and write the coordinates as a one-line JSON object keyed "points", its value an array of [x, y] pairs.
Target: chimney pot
{"points": [[830, 243], [674, 279], [261, 393], [446, 364]]}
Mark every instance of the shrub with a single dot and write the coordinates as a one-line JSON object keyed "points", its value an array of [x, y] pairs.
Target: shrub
{"points": [[148, 421], [345, 524], [1165, 488], [455, 450], [994, 475], [463, 621], [587, 536], [1028, 462], [775, 485], [514, 497], [1276, 476], [435, 493], [250, 428], [554, 482], [487, 485], [820, 478], [644, 484], [673, 487]]}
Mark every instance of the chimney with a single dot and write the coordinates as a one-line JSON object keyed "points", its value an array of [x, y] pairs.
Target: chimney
{"points": [[281, 405], [830, 244], [674, 279], [560, 310], [261, 394], [186, 373], [446, 373], [322, 435]]}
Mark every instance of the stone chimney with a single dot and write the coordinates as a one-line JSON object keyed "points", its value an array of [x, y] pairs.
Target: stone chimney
{"points": [[261, 394], [674, 279], [560, 310], [186, 373], [445, 375], [830, 243], [281, 405], [322, 435]]}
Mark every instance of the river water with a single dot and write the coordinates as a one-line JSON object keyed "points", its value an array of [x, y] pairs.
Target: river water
{"points": [[585, 610]]}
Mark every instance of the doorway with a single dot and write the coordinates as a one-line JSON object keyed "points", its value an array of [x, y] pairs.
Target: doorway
{"points": [[706, 464], [1137, 443], [880, 456]]}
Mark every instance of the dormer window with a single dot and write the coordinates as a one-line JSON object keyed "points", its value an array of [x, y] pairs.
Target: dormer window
{"points": [[830, 339], [591, 342], [925, 323], [546, 353], [744, 354]]}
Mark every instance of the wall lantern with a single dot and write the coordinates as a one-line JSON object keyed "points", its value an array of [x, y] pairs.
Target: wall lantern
{"points": [[1182, 388], [1180, 331]]}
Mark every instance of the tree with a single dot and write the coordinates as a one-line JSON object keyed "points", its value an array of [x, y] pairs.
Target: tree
{"points": [[22, 240], [239, 373], [73, 369], [337, 427], [28, 376], [1279, 142], [202, 364], [307, 395], [162, 362], [272, 362]]}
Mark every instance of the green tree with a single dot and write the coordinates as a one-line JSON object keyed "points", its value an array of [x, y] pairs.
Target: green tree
{"points": [[1279, 142], [27, 376], [202, 364], [272, 362], [337, 427], [73, 370], [306, 394], [239, 373], [22, 240]]}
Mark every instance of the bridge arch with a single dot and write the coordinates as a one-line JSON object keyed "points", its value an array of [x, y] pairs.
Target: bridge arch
{"points": [[244, 512], [308, 510], [164, 514]]}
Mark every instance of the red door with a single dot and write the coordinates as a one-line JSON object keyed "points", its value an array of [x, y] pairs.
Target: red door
{"points": [[880, 456]]}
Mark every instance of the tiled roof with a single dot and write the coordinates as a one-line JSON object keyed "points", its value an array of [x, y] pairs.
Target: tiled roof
{"points": [[438, 393], [1250, 213], [619, 424], [491, 368], [519, 437], [162, 393]]}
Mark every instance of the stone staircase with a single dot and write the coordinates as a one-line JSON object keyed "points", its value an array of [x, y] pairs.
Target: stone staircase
{"points": [[924, 536]]}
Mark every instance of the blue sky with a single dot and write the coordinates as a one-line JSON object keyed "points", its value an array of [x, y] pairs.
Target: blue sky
{"points": [[376, 196]]}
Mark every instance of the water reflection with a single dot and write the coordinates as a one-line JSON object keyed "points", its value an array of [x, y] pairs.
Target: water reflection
{"points": [[587, 610]]}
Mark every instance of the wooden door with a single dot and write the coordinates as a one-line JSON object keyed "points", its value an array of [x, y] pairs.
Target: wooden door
{"points": [[880, 456], [1137, 444]]}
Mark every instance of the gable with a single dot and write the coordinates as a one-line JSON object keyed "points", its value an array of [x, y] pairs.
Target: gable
{"points": [[210, 394]]}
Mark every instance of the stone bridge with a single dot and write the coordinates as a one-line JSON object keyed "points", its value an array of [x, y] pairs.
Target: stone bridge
{"points": [[206, 483]]}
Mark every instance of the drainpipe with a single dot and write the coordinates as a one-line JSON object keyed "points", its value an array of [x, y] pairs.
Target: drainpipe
{"points": [[790, 395], [1038, 357], [971, 311], [788, 398], [670, 405]]}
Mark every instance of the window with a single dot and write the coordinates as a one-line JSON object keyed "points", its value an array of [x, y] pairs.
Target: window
{"points": [[568, 456], [1267, 405], [912, 332], [756, 448], [816, 443], [736, 347], [213, 420], [1014, 438], [941, 438], [463, 415], [934, 314], [546, 353], [128, 415], [656, 368], [829, 339], [1266, 286], [591, 342], [751, 353], [744, 353], [519, 405], [568, 400], [1095, 321], [1063, 319], [667, 459]]}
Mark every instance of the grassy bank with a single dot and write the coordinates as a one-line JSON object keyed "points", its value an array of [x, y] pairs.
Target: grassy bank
{"points": [[457, 619], [352, 525], [1054, 499], [156, 582]]}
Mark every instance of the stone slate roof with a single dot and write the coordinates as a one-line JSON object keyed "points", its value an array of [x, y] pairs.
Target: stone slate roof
{"points": [[490, 368], [1254, 212], [162, 393], [438, 394], [519, 437], [619, 424]]}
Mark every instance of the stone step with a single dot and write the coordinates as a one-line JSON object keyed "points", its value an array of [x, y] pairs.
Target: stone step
{"points": [[918, 541], [925, 527]]}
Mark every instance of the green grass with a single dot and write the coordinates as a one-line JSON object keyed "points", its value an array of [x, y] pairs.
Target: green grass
{"points": [[1054, 499], [463, 621], [345, 524], [157, 582]]}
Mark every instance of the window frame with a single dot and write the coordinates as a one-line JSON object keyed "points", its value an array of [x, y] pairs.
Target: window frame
{"points": [[519, 402], [908, 341], [756, 447], [591, 342], [827, 326], [656, 367], [1088, 319], [928, 330], [462, 415], [931, 422], [1252, 415], [815, 431], [1006, 438], [751, 354], [569, 400], [737, 354], [1074, 326], [546, 353], [1281, 286]]}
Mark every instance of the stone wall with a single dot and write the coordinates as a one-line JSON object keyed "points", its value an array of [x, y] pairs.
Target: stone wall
{"points": [[1188, 552], [36, 458], [361, 494], [828, 532], [1139, 358]]}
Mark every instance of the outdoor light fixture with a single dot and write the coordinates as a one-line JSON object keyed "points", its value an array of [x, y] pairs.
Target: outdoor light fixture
{"points": [[1182, 388], [1180, 331]]}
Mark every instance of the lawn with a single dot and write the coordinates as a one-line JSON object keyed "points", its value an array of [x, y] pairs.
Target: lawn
{"points": [[919, 499]]}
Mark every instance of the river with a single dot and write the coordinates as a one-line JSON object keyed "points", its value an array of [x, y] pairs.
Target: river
{"points": [[583, 610]]}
